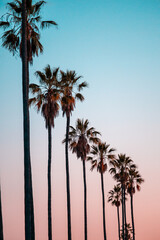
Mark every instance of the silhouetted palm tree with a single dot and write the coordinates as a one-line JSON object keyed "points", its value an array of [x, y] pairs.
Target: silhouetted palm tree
{"points": [[23, 36], [46, 99], [99, 154], [1, 219], [120, 171], [80, 138], [133, 182], [69, 81], [28, 192], [114, 198]]}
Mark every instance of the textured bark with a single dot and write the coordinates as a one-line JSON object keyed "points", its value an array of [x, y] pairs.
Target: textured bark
{"points": [[103, 204], [118, 223], [49, 184], [68, 181], [1, 219], [132, 216], [28, 197], [85, 199]]}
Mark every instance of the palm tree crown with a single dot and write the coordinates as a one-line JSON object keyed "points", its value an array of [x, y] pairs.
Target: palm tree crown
{"points": [[121, 166], [12, 21], [69, 81], [100, 153], [115, 195], [80, 137], [46, 94], [134, 180]]}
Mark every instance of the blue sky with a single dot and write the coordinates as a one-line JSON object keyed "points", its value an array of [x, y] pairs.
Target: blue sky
{"points": [[115, 46]]}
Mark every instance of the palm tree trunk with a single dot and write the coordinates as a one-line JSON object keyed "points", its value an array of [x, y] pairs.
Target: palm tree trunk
{"points": [[132, 216], [29, 221], [125, 219], [85, 200], [67, 181], [49, 183], [103, 203], [1, 219], [122, 213], [31, 190], [118, 223]]}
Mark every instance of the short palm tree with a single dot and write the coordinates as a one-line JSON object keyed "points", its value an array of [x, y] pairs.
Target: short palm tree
{"points": [[115, 199], [80, 138], [46, 100], [69, 82], [1, 219], [120, 171], [134, 181], [100, 153]]}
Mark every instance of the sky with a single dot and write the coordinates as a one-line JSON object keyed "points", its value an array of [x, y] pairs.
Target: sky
{"points": [[115, 46]]}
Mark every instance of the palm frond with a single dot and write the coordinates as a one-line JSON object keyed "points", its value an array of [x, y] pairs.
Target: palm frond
{"points": [[10, 41], [47, 71], [46, 24], [37, 7], [13, 7], [4, 24], [79, 96], [31, 101], [89, 158], [34, 88], [35, 19], [41, 76], [82, 85]]}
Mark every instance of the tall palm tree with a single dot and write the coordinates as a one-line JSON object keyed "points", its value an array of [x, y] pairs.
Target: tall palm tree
{"points": [[120, 171], [28, 192], [46, 99], [22, 36], [69, 81], [80, 138], [114, 198], [134, 181], [100, 153], [1, 219]]}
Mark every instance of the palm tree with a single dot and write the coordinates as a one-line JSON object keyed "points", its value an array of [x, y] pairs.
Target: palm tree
{"points": [[80, 138], [28, 192], [114, 198], [134, 181], [69, 81], [46, 99], [99, 154], [22, 36], [120, 171], [1, 219]]}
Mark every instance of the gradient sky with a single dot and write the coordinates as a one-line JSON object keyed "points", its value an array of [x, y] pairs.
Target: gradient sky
{"points": [[115, 46]]}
